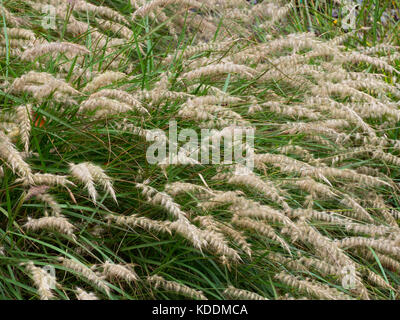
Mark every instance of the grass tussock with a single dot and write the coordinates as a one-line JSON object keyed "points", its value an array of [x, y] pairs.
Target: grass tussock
{"points": [[79, 105]]}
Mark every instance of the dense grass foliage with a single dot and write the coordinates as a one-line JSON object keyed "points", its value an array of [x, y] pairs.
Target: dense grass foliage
{"points": [[318, 216]]}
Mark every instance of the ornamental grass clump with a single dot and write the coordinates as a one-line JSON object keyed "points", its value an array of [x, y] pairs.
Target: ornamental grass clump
{"points": [[97, 186]]}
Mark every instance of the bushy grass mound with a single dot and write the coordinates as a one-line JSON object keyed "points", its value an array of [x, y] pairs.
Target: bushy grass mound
{"points": [[84, 214]]}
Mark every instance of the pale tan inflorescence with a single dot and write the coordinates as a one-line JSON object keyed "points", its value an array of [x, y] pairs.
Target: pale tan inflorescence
{"points": [[43, 281], [158, 282], [84, 295], [319, 196]]}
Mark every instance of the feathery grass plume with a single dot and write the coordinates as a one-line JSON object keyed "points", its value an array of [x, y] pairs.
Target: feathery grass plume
{"points": [[159, 282], [74, 26], [17, 43], [101, 178], [164, 82], [253, 209], [215, 100], [343, 75], [290, 263], [177, 188], [148, 135], [161, 17], [379, 205], [279, 14], [371, 230], [375, 85], [121, 96], [357, 57], [330, 217], [11, 18], [212, 116], [265, 9], [83, 295], [245, 207], [316, 189], [219, 69], [119, 271], [260, 227], [254, 107], [43, 78], [20, 33], [183, 157], [294, 41], [162, 199], [353, 116], [108, 107], [311, 288], [237, 237], [327, 249], [59, 224], [13, 158], [338, 40], [232, 134], [240, 294], [42, 280], [47, 179], [49, 200], [41, 85], [116, 28], [249, 179], [377, 110], [377, 280], [386, 157], [158, 95], [12, 52], [40, 192], [150, 6], [292, 111], [11, 131], [328, 89], [183, 227], [105, 105], [287, 164], [358, 211], [293, 76], [378, 48], [225, 4], [134, 221], [385, 246], [384, 260], [346, 174], [83, 271], [82, 173], [217, 245], [244, 15], [214, 235], [339, 110], [71, 49], [315, 128], [289, 297], [103, 80], [23, 114], [105, 12], [202, 47], [220, 198], [323, 267]]}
